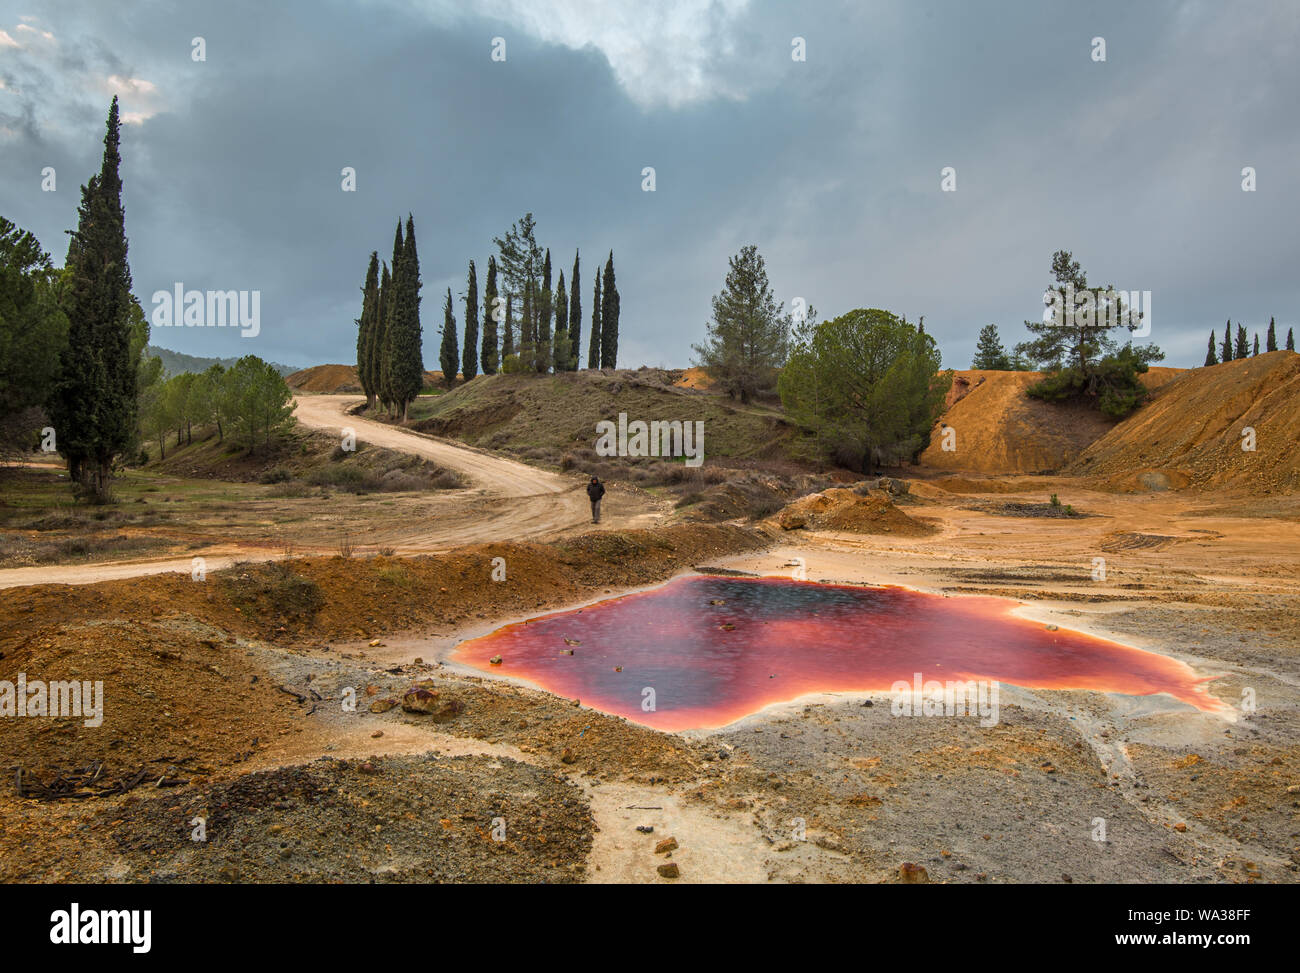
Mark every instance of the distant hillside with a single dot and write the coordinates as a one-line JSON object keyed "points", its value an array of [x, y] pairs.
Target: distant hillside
{"points": [[177, 363], [342, 380]]}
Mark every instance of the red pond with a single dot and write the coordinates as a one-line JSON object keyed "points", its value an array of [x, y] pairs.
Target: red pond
{"points": [[716, 649]]}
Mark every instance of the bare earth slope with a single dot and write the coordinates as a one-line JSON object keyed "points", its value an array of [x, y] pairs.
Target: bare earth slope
{"points": [[999, 429], [331, 379], [1194, 425]]}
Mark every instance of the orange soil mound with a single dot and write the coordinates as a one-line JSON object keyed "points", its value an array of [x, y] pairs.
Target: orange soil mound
{"points": [[330, 379], [1191, 432], [694, 378], [999, 429], [847, 510]]}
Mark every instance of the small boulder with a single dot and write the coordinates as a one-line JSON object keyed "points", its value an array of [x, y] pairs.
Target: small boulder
{"points": [[913, 874], [665, 846], [669, 870]]}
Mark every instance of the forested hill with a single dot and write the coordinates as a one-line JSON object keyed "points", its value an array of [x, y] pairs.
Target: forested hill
{"points": [[176, 363]]}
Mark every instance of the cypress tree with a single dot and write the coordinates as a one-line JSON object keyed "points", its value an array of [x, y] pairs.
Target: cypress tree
{"points": [[1256, 350], [1242, 349], [1270, 342], [1226, 353], [609, 317], [575, 317], [406, 337], [527, 331], [490, 356], [508, 341], [560, 345], [93, 407], [1210, 357], [544, 298], [366, 327], [593, 350], [1290, 339], [392, 300], [449, 356], [469, 366], [380, 329]]}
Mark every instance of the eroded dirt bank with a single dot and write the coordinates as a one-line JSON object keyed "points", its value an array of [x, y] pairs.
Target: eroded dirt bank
{"points": [[236, 687]]}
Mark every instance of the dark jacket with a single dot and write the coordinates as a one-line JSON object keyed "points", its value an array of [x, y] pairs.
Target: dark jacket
{"points": [[595, 490]]}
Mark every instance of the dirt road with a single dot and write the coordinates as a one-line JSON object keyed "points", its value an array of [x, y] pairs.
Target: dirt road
{"points": [[507, 500]]}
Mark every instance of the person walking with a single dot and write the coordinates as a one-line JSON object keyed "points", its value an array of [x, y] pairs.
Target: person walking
{"points": [[595, 490]]}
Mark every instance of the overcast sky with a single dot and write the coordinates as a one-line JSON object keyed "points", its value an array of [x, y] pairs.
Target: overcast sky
{"points": [[832, 165]]}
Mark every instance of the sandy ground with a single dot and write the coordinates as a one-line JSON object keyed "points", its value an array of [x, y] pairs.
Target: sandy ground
{"points": [[1066, 787]]}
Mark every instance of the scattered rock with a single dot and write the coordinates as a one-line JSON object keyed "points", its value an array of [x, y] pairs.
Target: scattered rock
{"points": [[383, 705], [495, 660], [646, 828], [913, 874], [665, 846], [432, 704], [567, 756], [669, 870]]}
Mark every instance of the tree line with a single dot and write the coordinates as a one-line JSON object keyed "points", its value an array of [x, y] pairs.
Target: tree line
{"points": [[530, 322], [863, 389], [1231, 351], [250, 399], [72, 348]]}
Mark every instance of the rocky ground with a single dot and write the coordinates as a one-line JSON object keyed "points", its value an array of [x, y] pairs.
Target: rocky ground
{"points": [[309, 722]]}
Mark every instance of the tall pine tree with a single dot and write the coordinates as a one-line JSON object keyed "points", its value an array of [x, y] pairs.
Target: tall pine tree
{"points": [[1242, 349], [1226, 352], [469, 361], [93, 408], [1210, 357], [490, 357], [449, 354], [1270, 342], [1255, 352], [366, 327], [575, 316], [593, 351], [1290, 339], [990, 353], [609, 317]]}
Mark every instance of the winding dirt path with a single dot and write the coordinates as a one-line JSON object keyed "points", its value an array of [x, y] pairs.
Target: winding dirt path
{"points": [[506, 500]]}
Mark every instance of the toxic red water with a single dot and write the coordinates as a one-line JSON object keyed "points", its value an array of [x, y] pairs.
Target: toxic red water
{"points": [[715, 649]]}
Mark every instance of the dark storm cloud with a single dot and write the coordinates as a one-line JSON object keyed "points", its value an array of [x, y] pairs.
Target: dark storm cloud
{"points": [[832, 166]]}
